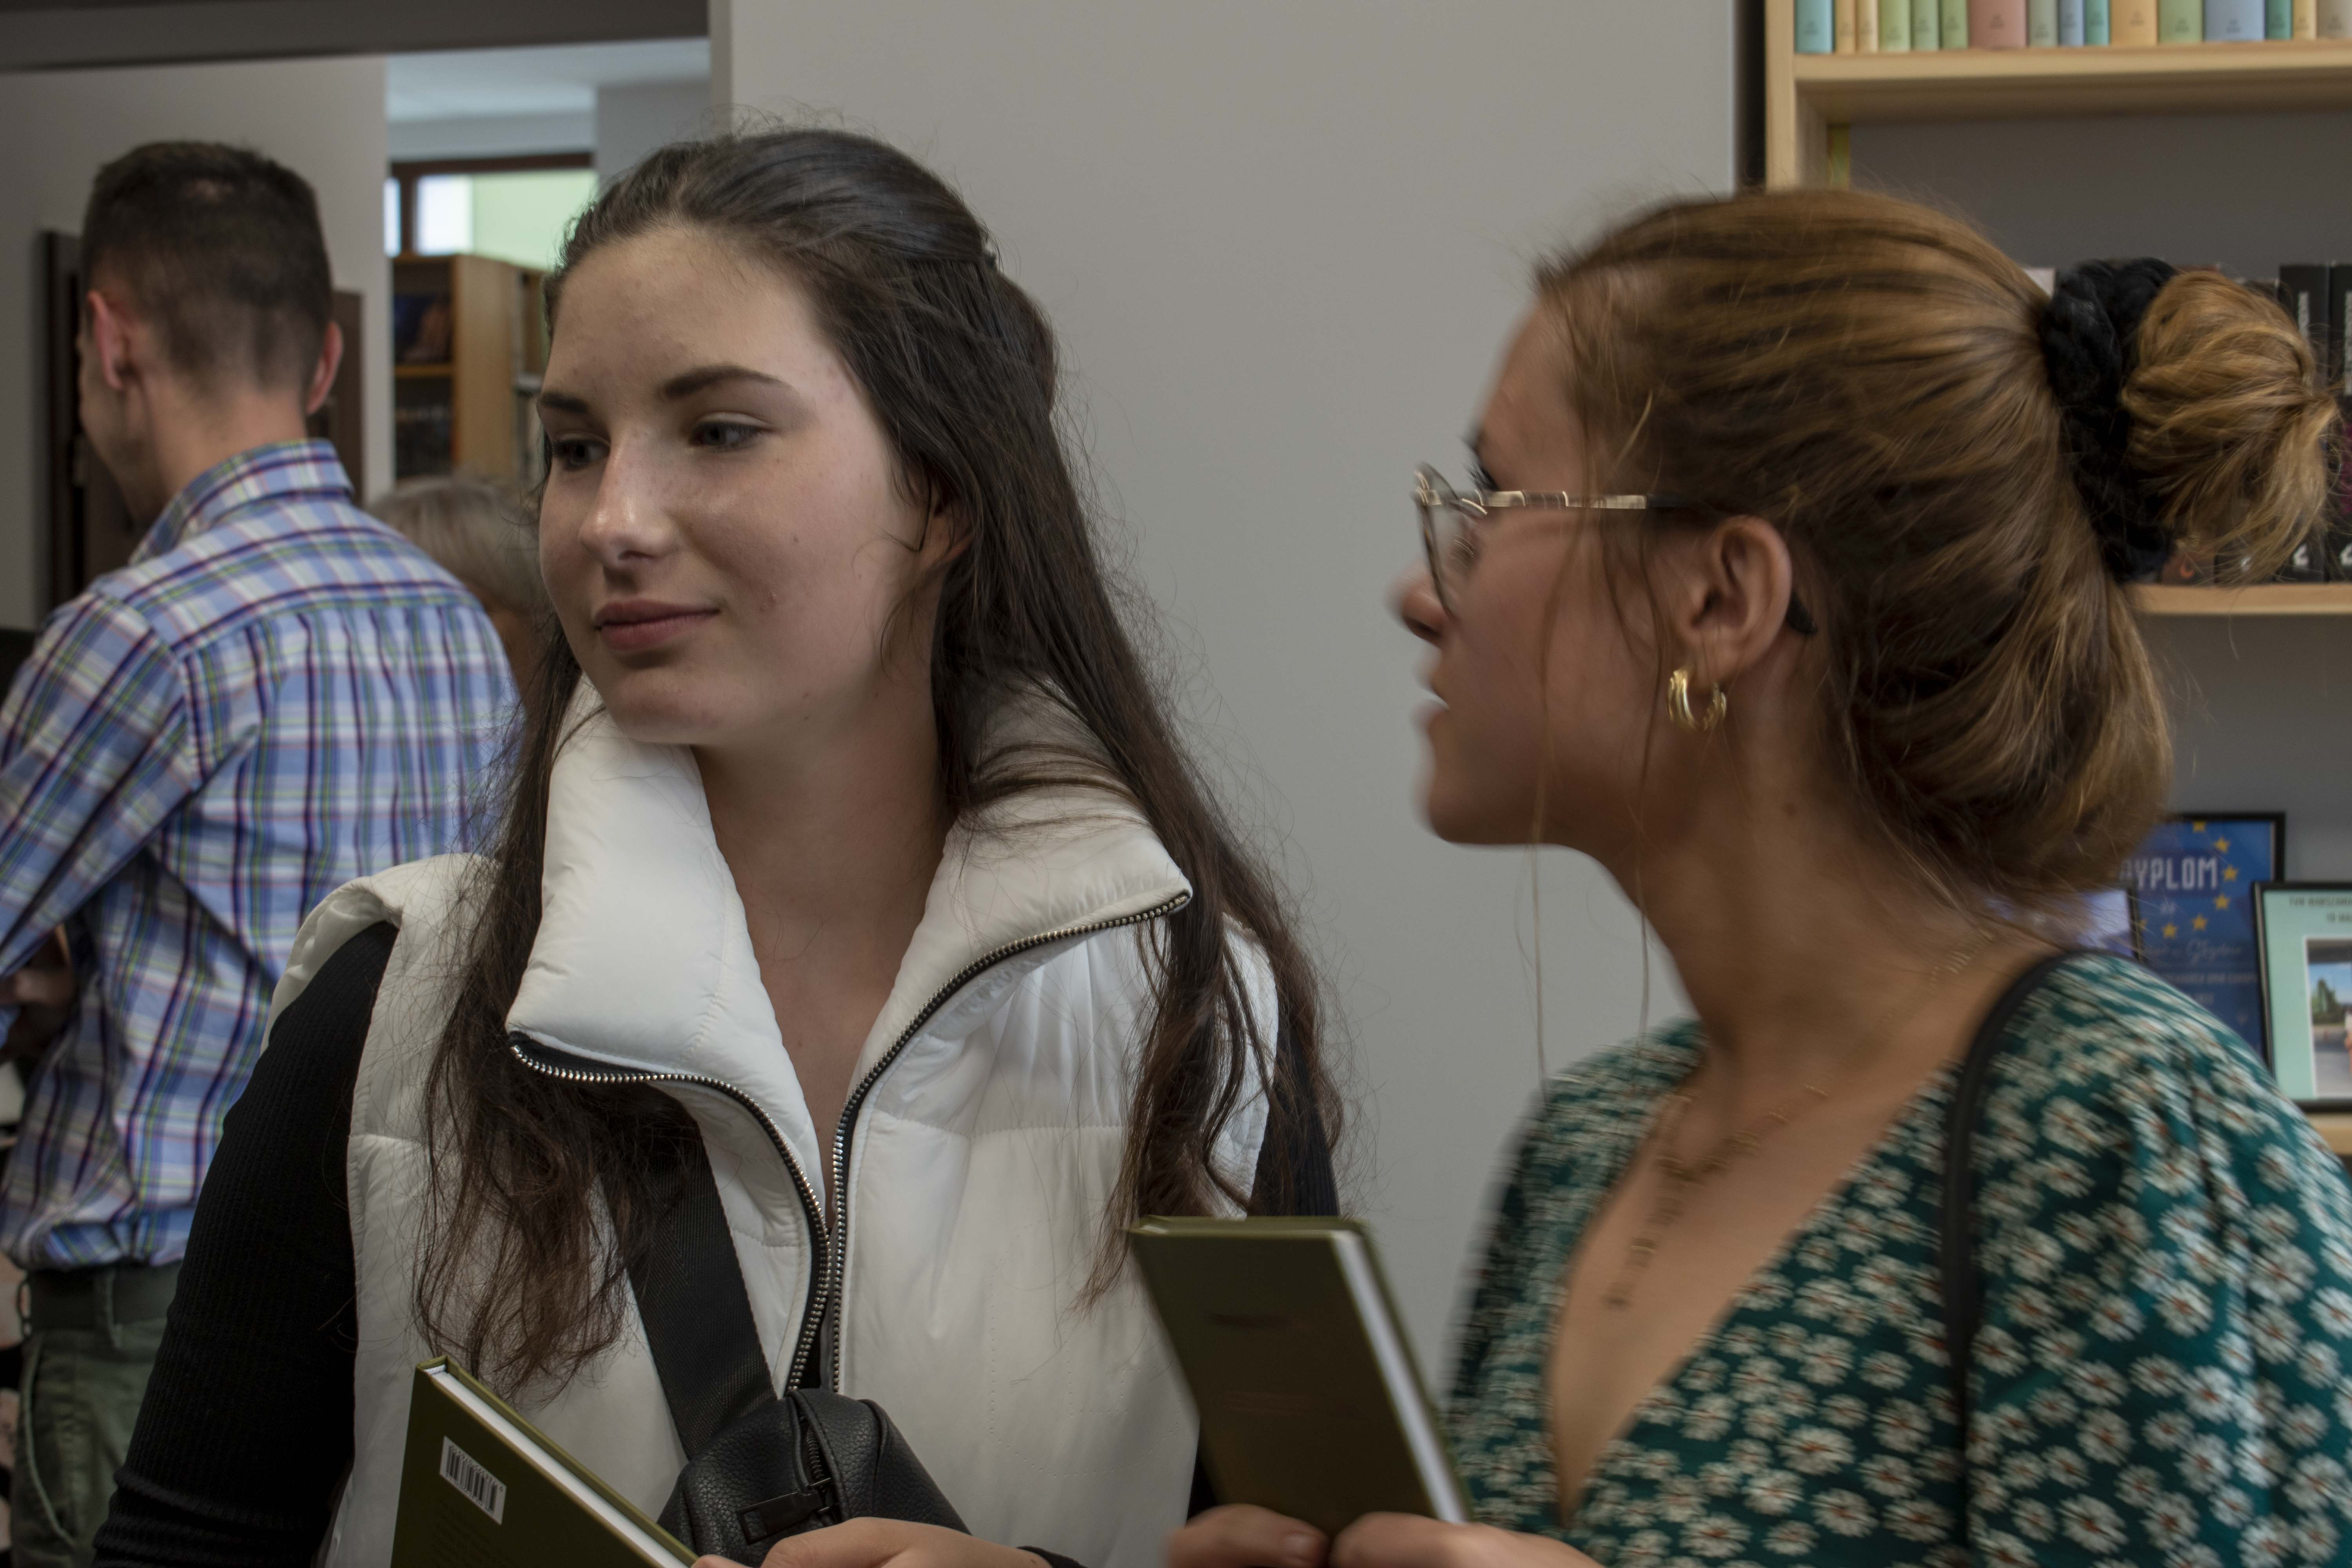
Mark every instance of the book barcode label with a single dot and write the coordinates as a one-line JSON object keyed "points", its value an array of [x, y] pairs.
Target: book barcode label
{"points": [[488, 1492]]}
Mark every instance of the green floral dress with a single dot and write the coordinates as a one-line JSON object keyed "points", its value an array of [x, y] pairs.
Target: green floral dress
{"points": [[2161, 1377]]}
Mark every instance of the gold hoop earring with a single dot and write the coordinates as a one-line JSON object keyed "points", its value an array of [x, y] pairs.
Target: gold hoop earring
{"points": [[1678, 704]]}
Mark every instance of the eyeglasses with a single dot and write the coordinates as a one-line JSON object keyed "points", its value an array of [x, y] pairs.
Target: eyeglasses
{"points": [[1452, 525]]}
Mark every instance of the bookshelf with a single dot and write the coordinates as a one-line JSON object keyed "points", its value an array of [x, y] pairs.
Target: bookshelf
{"points": [[2255, 599], [469, 342], [1808, 95]]}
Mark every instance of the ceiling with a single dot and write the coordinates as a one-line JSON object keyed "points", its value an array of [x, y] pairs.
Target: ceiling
{"points": [[482, 84]]}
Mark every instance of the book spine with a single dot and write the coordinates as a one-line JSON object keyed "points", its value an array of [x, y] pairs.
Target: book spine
{"points": [[1956, 24], [1894, 26], [2041, 24], [2333, 19], [2134, 21], [2094, 23], [1865, 26], [2306, 18], [1843, 30], [1997, 24], [2071, 31], [1816, 27], [1926, 32], [2180, 21], [2339, 328], [2303, 292], [2234, 21], [2278, 19]]}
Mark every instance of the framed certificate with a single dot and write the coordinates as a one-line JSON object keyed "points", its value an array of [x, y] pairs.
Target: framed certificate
{"points": [[2306, 930], [2194, 876]]}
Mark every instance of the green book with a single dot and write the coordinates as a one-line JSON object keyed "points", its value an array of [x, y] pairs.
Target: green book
{"points": [[1926, 26], [1894, 27], [480, 1487], [2180, 21], [1309, 1401], [1956, 24]]}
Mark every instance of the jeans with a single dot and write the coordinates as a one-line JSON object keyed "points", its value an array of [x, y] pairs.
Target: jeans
{"points": [[82, 1387]]}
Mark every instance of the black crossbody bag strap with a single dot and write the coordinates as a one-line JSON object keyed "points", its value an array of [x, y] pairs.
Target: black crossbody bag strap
{"points": [[697, 1312], [1963, 1289]]}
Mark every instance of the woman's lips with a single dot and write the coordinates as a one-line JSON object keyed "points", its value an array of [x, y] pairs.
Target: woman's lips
{"points": [[634, 626]]}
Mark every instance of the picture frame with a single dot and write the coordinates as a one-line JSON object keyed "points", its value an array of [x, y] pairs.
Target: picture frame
{"points": [[2305, 929], [2111, 921], [2194, 877]]}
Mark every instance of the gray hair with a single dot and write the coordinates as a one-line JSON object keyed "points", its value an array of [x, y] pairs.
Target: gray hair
{"points": [[476, 530]]}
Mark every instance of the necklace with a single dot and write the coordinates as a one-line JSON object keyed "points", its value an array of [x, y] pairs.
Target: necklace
{"points": [[1681, 1178]]}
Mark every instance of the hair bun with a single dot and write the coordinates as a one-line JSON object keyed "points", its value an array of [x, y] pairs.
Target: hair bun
{"points": [[2088, 336]]}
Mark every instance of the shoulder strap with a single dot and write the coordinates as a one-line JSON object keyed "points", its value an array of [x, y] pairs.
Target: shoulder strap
{"points": [[1963, 1290], [696, 1313]]}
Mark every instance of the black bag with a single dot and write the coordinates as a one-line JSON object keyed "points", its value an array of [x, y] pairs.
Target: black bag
{"points": [[757, 1468]]}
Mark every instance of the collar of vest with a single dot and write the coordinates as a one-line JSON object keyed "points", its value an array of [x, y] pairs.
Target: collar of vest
{"points": [[643, 962]]}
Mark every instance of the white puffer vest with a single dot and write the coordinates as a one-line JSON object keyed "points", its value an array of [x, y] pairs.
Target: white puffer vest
{"points": [[981, 1145]]}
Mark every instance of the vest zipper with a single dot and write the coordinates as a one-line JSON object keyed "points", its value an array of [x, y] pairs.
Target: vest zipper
{"points": [[829, 1267], [837, 1190], [529, 1052]]}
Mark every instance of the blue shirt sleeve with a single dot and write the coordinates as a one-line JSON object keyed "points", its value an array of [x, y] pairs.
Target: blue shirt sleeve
{"points": [[94, 755]]}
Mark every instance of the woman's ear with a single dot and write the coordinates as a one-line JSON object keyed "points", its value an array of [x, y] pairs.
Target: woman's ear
{"points": [[1731, 597], [947, 534]]}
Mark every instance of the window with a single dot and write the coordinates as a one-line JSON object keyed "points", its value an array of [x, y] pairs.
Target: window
{"points": [[516, 210]]}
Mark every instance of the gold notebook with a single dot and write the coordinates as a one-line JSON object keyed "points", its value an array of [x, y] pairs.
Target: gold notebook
{"points": [[1309, 1401], [480, 1488]]}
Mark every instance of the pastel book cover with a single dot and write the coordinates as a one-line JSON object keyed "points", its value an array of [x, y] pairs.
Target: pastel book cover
{"points": [[1997, 24], [2234, 21], [1894, 26]]}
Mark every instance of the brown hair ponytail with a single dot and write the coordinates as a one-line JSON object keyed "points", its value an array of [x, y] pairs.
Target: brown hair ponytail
{"points": [[1870, 376]]}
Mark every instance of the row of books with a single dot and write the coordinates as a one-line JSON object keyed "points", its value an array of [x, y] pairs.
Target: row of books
{"points": [[1907, 26]]}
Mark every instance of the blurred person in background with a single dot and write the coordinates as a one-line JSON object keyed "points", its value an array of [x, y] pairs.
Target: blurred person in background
{"points": [[480, 533], [1789, 586], [278, 694]]}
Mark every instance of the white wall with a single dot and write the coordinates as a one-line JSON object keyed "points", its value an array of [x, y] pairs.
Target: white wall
{"points": [[322, 119], [1283, 242], [635, 117]]}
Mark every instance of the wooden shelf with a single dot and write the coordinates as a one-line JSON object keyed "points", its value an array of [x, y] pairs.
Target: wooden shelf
{"points": [[2336, 1126], [2256, 599], [1999, 84], [1807, 94]]}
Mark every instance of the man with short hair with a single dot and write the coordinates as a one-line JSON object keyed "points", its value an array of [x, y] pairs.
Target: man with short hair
{"points": [[277, 695]]}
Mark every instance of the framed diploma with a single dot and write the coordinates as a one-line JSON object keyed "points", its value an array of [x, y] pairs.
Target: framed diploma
{"points": [[2194, 878], [2306, 930]]}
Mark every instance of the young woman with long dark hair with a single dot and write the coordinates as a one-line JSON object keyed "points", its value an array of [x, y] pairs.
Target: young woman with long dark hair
{"points": [[1790, 587], [852, 839]]}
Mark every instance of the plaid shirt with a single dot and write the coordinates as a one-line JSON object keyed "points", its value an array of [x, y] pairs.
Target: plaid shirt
{"points": [[278, 694]]}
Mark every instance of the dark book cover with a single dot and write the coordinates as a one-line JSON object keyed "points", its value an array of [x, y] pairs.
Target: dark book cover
{"points": [[2339, 326], [2302, 291]]}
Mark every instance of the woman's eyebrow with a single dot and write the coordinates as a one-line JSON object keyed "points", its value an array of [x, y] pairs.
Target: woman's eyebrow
{"points": [[709, 376]]}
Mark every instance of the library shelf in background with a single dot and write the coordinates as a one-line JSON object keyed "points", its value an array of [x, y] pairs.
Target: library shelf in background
{"points": [[470, 340], [2251, 599], [1807, 96]]}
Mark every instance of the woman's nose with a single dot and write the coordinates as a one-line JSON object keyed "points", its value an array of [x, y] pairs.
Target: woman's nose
{"points": [[1415, 598]]}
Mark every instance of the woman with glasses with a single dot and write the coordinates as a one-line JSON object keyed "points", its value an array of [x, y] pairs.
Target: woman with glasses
{"points": [[1790, 586]]}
